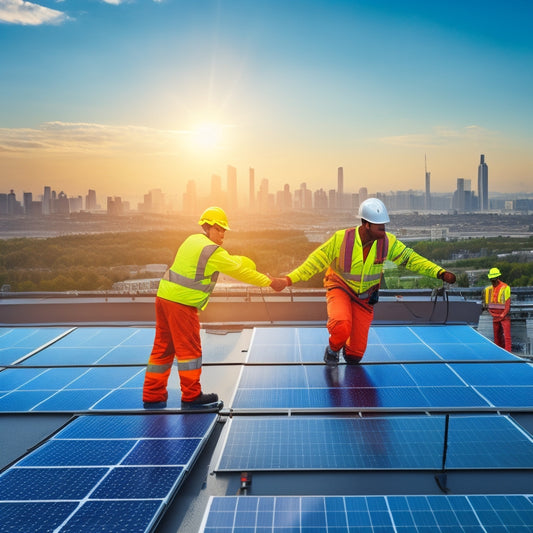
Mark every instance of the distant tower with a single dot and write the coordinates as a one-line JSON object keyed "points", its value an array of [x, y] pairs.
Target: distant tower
{"points": [[47, 201], [427, 198], [459, 199], [232, 188], [251, 185], [190, 199], [340, 187], [90, 200], [363, 194], [483, 184]]}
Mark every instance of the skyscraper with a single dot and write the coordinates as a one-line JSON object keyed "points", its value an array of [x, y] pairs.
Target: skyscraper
{"points": [[483, 184], [427, 197], [340, 187], [47, 201]]}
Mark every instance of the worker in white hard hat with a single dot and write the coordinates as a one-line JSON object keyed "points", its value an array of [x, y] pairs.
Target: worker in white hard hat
{"points": [[354, 259], [497, 299], [184, 290]]}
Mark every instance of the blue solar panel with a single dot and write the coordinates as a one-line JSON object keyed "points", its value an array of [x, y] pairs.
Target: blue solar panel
{"points": [[493, 374], [138, 483], [128, 516], [37, 517], [385, 343], [508, 396], [136, 427], [79, 453], [369, 514], [49, 483], [18, 342], [380, 386], [163, 452], [126, 467], [300, 443]]}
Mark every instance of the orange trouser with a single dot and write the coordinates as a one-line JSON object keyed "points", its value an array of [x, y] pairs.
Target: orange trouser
{"points": [[177, 334], [502, 333], [349, 320]]}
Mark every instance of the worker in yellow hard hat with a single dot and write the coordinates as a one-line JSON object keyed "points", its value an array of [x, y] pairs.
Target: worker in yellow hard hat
{"points": [[497, 299], [184, 290]]}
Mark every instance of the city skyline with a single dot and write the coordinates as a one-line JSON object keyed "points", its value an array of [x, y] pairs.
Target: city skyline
{"points": [[128, 96]]}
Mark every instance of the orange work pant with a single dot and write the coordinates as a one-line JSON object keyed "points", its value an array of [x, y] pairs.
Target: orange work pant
{"points": [[349, 320], [502, 333], [177, 334]]}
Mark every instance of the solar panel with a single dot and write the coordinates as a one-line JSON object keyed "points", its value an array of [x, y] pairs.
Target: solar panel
{"points": [[370, 514], [385, 344], [112, 473], [379, 386], [16, 343], [98, 345], [402, 442]]}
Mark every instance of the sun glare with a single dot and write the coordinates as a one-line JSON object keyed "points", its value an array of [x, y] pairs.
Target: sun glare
{"points": [[206, 136]]}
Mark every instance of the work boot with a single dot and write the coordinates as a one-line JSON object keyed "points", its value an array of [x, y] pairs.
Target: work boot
{"points": [[202, 400], [331, 358], [350, 359], [154, 405]]}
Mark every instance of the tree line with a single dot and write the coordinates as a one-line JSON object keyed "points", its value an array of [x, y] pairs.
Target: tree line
{"points": [[95, 261]]}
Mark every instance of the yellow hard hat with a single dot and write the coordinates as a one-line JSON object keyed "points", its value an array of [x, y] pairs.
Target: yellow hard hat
{"points": [[214, 215], [494, 273]]}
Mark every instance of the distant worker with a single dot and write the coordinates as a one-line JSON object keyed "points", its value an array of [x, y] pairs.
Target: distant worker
{"points": [[497, 299], [185, 289], [354, 259]]}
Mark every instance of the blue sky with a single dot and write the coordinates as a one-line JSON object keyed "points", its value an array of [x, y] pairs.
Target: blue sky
{"points": [[140, 94]]}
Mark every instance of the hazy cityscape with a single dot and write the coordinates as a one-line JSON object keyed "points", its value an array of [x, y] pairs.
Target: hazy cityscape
{"points": [[256, 196]]}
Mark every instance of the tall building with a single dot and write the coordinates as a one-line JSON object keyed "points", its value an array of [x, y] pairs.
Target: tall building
{"points": [[232, 189], [47, 201], [459, 195], [427, 197], [251, 188], [340, 187], [90, 200], [27, 200], [483, 184], [363, 194]]}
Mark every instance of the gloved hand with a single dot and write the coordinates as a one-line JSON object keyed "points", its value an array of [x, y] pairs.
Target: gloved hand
{"points": [[278, 284], [448, 277]]}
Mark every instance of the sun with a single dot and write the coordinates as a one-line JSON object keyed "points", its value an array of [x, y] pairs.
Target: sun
{"points": [[206, 136]]}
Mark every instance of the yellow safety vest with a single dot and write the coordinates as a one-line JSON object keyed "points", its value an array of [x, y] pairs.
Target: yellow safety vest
{"points": [[496, 297], [193, 275], [362, 275]]}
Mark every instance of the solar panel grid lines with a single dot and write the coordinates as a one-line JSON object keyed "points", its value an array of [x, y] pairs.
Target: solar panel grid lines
{"points": [[408, 442], [115, 472], [369, 514]]}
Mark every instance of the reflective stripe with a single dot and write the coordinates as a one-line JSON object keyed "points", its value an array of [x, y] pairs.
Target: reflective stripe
{"points": [[207, 252], [496, 306], [190, 364], [158, 369], [189, 283], [196, 283]]}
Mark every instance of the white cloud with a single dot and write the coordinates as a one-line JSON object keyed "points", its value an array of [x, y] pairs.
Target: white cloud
{"points": [[82, 138], [28, 13], [439, 136]]}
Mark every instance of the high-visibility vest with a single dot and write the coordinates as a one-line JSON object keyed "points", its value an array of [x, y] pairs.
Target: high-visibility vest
{"points": [[343, 254], [369, 277], [496, 297], [186, 281]]}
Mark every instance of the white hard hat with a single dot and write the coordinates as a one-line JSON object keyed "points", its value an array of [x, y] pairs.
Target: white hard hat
{"points": [[373, 210]]}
